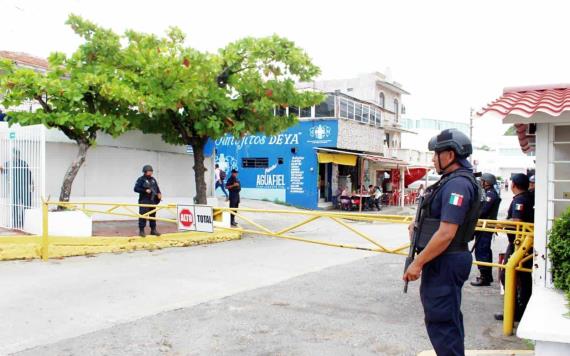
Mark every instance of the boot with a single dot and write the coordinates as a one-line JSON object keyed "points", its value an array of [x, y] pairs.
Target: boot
{"points": [[154, 232], [141, 232]]}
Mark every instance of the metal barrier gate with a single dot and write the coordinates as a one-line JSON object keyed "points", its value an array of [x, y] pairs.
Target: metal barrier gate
{"points": [[22, 172]]}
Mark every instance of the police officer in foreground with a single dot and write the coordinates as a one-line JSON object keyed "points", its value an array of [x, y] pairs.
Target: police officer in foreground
{"points": [[446, 222], [234, 186], [521, 209], [149, 193], [483, 239]]}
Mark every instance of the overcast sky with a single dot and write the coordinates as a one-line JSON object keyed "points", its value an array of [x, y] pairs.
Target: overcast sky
{"points": [[451, 55]]}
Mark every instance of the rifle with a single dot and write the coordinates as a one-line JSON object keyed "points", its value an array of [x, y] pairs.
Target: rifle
{"points": [[153, 193], [414, 241]]}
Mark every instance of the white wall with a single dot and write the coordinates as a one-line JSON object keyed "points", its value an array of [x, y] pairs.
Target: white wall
{"points": [[360, 137], [113, 165]]}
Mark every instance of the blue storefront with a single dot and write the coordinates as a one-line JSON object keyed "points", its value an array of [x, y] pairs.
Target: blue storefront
{"points": [[282, 167]]}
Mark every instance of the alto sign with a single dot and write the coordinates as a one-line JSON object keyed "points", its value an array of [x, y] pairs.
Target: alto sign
{"points": [[195, 218]]}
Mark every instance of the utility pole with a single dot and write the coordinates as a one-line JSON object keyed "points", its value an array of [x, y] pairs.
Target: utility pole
{"points": [[471, 132]]}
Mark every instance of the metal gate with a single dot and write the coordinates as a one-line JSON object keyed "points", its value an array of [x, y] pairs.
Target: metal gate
{"points": [[22, 172]]}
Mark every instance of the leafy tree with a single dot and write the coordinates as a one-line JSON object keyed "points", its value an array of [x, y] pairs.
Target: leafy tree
{"points": [[79, 95], [511, 131], [188, 96]]}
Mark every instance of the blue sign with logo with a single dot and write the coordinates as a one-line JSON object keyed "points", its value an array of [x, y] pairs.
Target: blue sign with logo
{"points": [[280, 167]]}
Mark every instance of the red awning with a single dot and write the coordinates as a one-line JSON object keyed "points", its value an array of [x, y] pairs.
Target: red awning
{"points": [[414, 174]]}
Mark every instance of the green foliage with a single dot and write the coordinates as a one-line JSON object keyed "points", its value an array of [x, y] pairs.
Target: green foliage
{"points": [[79, 95], [559, 246], [511, 131]]}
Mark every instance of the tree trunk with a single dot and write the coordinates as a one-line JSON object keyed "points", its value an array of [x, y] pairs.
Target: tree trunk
{"points": [[197, 144], [72, 171]]}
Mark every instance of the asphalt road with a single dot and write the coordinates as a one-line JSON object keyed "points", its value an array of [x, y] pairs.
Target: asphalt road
{"points": [[352, 309]]}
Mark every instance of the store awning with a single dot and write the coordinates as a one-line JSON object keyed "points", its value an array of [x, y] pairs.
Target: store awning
{"points": [[338, 158]]}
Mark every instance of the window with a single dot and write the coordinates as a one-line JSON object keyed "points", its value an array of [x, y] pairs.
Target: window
{"points": [[358, 112], [255, 162], [365, 113], [306, 112], [343, 108], [326, 108], [381, 100], [293, 110], [403, 110], [280, 111], [387, 140], [396, 108], [378, 118], [351, 109]]}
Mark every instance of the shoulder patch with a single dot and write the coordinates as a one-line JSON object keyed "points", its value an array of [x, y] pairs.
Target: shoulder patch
{"points": [[519, 207], [456, 199]]}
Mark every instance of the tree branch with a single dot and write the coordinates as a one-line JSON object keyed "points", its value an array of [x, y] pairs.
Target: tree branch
{"points": [[175, 120], [44, 105]]}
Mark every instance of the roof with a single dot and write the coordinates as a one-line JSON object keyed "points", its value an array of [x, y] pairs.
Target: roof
{"points": [[531, 104], [526, 106], [25, 59], [392, 86]]}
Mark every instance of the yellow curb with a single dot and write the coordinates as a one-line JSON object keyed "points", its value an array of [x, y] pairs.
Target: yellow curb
{"points": [[28, 247]]}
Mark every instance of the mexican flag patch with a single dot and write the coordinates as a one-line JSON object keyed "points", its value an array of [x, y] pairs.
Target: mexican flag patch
{"points": [[518, 207], [456, 199]]}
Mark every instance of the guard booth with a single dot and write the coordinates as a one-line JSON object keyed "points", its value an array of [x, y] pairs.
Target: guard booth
{"points": [[22, 172]]}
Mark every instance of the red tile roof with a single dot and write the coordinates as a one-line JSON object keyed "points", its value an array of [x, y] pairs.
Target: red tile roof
{"points": [[25, 59], [552, 100]]}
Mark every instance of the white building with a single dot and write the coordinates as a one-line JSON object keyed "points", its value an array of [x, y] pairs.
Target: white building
{"points": [[542, 118]]}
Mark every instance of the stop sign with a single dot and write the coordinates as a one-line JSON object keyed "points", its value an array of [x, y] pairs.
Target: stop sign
{"points": [[186, 218]]}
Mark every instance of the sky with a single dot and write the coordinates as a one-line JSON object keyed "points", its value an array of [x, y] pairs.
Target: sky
{"points": [[450, 55]]}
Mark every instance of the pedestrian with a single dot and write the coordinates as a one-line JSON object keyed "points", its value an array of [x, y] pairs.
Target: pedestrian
{"points": [[447, 220], [17, 171], [483, 239], [220, 178], [521, 209], [233, 185], [149, 195]]}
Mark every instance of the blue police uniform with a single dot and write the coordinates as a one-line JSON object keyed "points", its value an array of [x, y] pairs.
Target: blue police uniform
{"points": [[483, 239], [522, 207], [443, 277], [142, 184], [234, 195]]}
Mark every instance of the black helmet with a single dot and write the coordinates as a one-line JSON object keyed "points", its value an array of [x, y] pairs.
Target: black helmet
{"points": [[489, 178], [451, 139], [147, 168]]}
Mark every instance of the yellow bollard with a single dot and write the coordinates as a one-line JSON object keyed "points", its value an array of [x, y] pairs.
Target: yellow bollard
{"points": [[45, 232]]}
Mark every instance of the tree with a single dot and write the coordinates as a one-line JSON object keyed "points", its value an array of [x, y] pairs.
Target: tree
{"points": [[79, 95], [188, 96]]}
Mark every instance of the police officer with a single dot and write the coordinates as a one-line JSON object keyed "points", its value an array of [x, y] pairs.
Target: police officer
{"points": [[490, 209], [149, 193], [521, 209], [447, 219], [234, 186]]}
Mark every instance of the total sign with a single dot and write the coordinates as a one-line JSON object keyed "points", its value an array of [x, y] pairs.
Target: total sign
{"points": [[195, 218]]}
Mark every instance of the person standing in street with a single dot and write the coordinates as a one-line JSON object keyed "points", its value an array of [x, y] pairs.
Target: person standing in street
{"points": [[446, 221], [483, 239], [233, 185], [149, 193], [17, 171], [521, 209], [220, 178]]}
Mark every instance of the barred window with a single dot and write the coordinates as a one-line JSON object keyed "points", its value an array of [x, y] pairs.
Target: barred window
{"points": [[255, 162]]}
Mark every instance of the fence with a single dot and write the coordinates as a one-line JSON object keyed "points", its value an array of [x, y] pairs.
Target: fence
{"points": [[22, 172], [524, 233]]}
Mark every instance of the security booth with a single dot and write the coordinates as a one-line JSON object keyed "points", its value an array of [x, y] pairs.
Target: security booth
{"points": [[541, 116]]}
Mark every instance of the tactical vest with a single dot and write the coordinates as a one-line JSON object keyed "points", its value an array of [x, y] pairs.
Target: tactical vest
{"points": [[428, 224], [494, 211]]}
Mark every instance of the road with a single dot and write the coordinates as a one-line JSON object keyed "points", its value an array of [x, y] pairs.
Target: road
{"points": [[254, 296]]}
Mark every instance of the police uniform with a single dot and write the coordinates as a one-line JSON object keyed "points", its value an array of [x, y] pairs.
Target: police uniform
{"points": [[483, 239], [454, 199], [234, 194], [141, 186], [522, 207]]}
